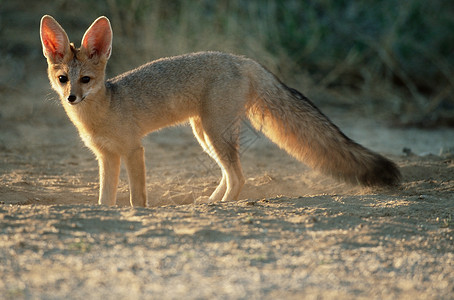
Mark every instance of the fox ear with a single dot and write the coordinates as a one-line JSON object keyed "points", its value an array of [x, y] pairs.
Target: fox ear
{"points": [[97, 40], [54, 39]]}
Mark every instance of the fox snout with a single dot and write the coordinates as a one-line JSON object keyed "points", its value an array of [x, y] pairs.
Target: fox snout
{"points": [[73, 99], [74, 96], [74, 90]]}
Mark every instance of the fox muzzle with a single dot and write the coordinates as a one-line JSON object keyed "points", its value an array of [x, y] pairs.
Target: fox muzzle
{"points": [[73, 99]]}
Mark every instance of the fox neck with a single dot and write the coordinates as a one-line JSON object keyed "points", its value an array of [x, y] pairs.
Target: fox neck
{"points": [[89, 114]]}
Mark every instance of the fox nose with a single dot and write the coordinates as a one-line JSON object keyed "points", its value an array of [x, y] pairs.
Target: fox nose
{"points": [[72, 98]]}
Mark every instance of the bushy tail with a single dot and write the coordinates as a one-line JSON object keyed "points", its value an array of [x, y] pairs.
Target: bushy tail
{"points": [[294, 123]]}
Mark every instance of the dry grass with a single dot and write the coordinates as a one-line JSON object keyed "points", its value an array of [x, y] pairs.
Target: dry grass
{"points": [[376, 57]]}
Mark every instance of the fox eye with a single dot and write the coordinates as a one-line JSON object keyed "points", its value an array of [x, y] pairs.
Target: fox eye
{"points": [[85, 79], [63, 78]]}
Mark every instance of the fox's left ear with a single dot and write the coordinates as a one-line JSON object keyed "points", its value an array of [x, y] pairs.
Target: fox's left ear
{"points": [[54, 40], [97, 40]]}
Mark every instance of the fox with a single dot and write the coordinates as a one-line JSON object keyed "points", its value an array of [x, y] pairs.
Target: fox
{"points": [[213, 91]]}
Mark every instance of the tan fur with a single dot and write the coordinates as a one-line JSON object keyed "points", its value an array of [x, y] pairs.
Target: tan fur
{"points": [[212, 91]]}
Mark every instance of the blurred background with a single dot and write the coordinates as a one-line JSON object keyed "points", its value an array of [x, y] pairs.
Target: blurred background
{"points": [[383, 59]]}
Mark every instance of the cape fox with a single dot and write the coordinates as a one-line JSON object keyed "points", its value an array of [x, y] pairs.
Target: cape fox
{"points": [[212, 91]]}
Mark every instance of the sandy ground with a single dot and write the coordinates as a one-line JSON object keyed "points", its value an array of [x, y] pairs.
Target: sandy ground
{"points": [[295, 234]]}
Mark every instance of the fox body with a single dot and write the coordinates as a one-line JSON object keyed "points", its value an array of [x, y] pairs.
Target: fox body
{"points": [[212, 91]]}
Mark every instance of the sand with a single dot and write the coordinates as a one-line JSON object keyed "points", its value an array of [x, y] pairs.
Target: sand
{"points": [[294, 234]]}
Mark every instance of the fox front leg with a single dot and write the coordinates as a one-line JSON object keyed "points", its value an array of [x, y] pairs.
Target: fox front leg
{"points": [[109, 171], [135, 165]]}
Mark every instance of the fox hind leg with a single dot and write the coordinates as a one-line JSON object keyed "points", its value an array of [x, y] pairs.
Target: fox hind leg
{"points": [[221, 138], [199, 133]]}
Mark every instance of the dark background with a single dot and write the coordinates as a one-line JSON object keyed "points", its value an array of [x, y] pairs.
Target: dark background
{"points": [[392, 59]]}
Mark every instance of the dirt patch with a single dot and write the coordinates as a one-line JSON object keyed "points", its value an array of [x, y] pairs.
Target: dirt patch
{"points": [[294, 232]]}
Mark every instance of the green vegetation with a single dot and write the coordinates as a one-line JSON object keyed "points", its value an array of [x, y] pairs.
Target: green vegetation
{"points": [[390, 57]]}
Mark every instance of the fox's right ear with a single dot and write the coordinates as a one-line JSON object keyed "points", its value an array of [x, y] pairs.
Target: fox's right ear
{"points": [[54, 39], [97, 40]]}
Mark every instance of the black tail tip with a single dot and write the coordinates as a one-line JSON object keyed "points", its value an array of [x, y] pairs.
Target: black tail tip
{"points": [[381, 173]]}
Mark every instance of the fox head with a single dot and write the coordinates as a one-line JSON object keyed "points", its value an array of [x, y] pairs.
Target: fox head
{"points": [[76, 73]]}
